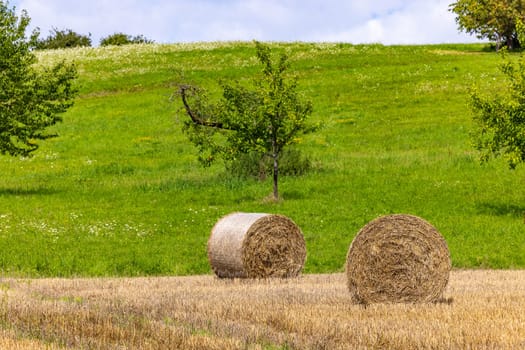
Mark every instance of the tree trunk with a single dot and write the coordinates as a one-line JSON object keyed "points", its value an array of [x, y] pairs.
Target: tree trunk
{"points": [[194, 115], [275, 156], [275, 178], [510, 43]]}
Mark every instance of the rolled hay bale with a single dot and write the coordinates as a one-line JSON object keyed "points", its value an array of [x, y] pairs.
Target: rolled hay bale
{"points": [[398, 259], [255, 245]]}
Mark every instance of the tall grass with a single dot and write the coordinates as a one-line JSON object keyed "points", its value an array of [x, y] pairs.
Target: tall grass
{"points": [[120, 191]]}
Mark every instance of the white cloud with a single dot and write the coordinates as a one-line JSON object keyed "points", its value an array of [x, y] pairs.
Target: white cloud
{"points": [[356, 21]]}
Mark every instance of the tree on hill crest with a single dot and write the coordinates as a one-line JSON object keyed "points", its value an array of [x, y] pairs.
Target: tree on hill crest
{"points": [[490, 19]]}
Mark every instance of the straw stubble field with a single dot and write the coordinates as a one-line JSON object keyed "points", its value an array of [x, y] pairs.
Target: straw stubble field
{"points": [[481, 309]]}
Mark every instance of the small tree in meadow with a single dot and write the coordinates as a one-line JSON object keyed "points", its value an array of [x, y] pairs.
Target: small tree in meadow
{"points": [[119, 39], [264, 118], [31, 98]]}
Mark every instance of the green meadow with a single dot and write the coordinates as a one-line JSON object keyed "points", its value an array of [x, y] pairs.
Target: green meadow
{"points": [[120, 192]]}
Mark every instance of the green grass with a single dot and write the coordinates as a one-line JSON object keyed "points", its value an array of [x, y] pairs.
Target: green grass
{"points": [[120, 191]]}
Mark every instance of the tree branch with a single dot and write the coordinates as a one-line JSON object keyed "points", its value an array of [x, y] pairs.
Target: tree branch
{"points": [[195, 117]]}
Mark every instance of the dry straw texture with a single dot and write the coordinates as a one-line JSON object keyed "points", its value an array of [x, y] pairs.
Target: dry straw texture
{"points": [[254, 245], [305, 313], [398, 259]]}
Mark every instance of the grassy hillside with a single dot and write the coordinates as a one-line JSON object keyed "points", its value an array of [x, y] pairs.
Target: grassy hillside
{"points": [[120, 192]]}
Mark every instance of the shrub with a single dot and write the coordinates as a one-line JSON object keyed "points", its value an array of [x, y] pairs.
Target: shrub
{"points": [[61, 39], [124, 39]]}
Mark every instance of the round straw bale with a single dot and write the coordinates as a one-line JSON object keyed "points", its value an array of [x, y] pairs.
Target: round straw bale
{"points": [[254, 245], [398, 259]]}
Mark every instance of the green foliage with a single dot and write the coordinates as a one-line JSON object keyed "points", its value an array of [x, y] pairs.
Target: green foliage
{"points": [[262, 119], [520, 30], [501, 117], [490, 19], [291, 163], [62, 39], [31, 99], [118, 39]]}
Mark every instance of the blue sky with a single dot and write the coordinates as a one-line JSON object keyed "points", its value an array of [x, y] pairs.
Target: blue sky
{"points": [[170, 21]]}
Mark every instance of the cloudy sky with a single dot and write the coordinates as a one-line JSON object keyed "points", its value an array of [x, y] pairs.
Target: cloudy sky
{"points": [[171, 21]]}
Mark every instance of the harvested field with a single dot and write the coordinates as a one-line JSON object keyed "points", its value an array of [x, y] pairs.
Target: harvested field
{"points": [[483, 309]]}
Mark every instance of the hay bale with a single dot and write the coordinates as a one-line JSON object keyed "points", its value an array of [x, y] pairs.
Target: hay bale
{"points": [[398, 259], [253, 245]]}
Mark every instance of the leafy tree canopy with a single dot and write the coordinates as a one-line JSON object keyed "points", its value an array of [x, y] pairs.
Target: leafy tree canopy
{"points": [[501, 118], [490, 19], [264, 117], [31, 98]]}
